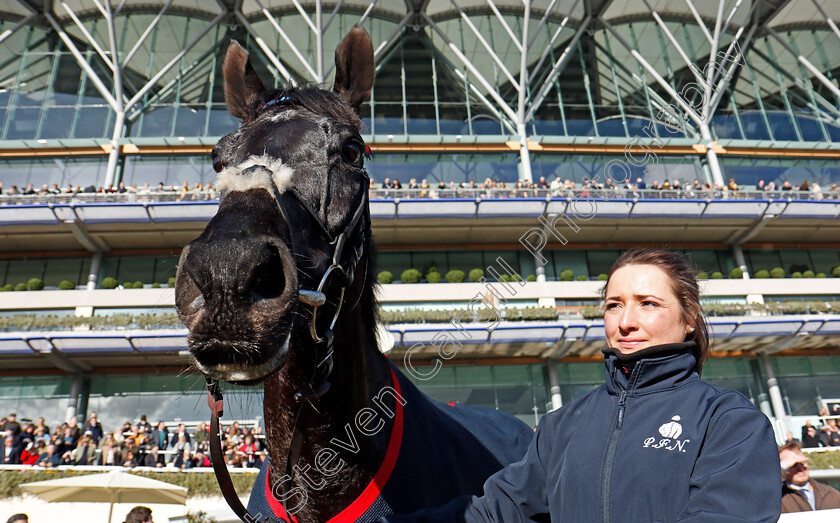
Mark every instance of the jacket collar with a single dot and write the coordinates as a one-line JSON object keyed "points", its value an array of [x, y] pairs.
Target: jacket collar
{"points": [[649, 370]]}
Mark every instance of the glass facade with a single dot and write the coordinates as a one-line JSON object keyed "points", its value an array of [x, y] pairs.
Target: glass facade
{"points": [[423, 90]]}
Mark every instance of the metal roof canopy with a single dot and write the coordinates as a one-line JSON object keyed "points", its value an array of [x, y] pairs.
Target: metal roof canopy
{"points": [[783, 12]]}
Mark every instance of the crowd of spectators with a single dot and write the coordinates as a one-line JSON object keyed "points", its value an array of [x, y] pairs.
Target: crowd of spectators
{"points": [[138, 444], [393, 188], [182, 192], [569, 188], [825, 434]]}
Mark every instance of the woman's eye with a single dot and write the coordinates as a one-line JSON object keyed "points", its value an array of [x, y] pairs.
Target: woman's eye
{"points": [[650, 304], [352, 152], [217, 163], [611, 306]]}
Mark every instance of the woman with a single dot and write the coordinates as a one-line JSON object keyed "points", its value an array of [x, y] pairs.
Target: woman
{"points": [[655, 443]]}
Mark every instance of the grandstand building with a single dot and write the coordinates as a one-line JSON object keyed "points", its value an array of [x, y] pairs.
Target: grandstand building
{"points": [[474, 101]]}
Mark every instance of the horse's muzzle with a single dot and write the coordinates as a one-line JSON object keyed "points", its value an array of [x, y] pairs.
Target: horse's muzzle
{"points": [[236, 291]]}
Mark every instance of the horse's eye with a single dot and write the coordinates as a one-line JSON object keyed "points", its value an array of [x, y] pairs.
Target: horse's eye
{"points": [[352, 152], [217, 163]]}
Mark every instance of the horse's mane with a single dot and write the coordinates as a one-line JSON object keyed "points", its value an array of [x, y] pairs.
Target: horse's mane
{"points": [[313, 99]]}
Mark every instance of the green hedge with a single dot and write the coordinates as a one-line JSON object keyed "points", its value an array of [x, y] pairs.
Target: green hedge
{"points": [[198, 484], [108, 283], [410, 276], [455, 276], [385, 277], [433, 277], [476, 275], [465, 316]]}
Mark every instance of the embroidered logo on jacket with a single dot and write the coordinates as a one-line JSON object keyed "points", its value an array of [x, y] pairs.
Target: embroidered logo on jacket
{"points": [[670, 433]]}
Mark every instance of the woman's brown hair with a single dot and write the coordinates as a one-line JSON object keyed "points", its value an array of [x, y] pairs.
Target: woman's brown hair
{"points": [[684, 284]]}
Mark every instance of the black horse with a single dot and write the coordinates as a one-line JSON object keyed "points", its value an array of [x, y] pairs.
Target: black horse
{"points": [[279, 289]]}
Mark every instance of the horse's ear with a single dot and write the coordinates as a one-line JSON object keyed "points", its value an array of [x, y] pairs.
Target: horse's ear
{"points": [[354, 67], [242, 85]]}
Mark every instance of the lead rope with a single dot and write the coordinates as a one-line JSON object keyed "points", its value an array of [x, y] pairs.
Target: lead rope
{"points": [[216, 403], [317, 387]]}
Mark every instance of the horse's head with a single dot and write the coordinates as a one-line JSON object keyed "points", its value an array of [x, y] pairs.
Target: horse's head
{"points": [[292, 220]]}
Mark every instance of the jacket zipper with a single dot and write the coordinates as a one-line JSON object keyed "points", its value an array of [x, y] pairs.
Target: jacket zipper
{"points": [[606, 477]]}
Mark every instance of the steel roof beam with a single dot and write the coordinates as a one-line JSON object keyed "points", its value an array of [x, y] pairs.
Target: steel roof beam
{"points": [[804, 61], [145, 34], [559, 66], [550, 46], [488, 47], [9, 32], [269, 54], [472, 69], [88, 36], [295, 50]]}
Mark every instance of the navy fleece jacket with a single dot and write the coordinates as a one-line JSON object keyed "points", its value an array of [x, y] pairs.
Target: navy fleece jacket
{"points": [[654, 444]]}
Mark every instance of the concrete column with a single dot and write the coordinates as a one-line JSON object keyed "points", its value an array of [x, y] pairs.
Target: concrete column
{"points": [[95, 264], [114, 155], [545, 299], [762, 397], [73, 399], [775, 394], [738, 253], [711, 155], [554, 382], [524, 154]]}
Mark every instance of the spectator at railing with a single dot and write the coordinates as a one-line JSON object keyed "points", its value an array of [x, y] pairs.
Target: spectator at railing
{"points": [[249, 451], [11, 424], [109, 451], [181, 431], [201, 460], [181, 445], [29, 455], [83, 454], [94, 427], [10, 451], [200, 437], [810, 439], [26, 436], [829, 435], [184, 459], [233, 437], [130, 460], [160, 436], [50, 458], [154, 458]]}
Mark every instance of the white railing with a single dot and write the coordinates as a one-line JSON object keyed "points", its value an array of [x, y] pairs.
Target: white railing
{"points": [[155, 196]]}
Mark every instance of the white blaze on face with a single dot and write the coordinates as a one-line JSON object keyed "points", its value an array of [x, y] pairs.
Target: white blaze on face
{"points": [[234, 179]]}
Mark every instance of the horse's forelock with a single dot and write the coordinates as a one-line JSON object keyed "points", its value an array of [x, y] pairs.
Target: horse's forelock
{"points": [[313, 99]]}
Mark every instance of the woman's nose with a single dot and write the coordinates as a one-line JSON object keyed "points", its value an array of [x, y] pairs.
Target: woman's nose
{"points": [[628, 320]]}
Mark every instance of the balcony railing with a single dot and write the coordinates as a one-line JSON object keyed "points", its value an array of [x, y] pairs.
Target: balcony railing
{"points": [[431, 193]]}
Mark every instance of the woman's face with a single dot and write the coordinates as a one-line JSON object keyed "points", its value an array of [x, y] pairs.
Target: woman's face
{"points": [[641, 310]]}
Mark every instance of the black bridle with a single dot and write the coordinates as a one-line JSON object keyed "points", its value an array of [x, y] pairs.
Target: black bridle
{"points": [[343, 272]]}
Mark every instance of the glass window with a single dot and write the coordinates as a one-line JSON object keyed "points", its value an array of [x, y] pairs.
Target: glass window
{"points": [[600, 262], [572, 259], [466, 261], [796, 261], [704, 260], [21, 271], [393, 262], [510, 259], [72, 269], [764, 259], [136, 268], [165, 268], [824, 261]]}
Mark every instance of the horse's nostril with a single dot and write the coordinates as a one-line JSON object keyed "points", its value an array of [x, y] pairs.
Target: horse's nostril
{"points": [[268, 280]]}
